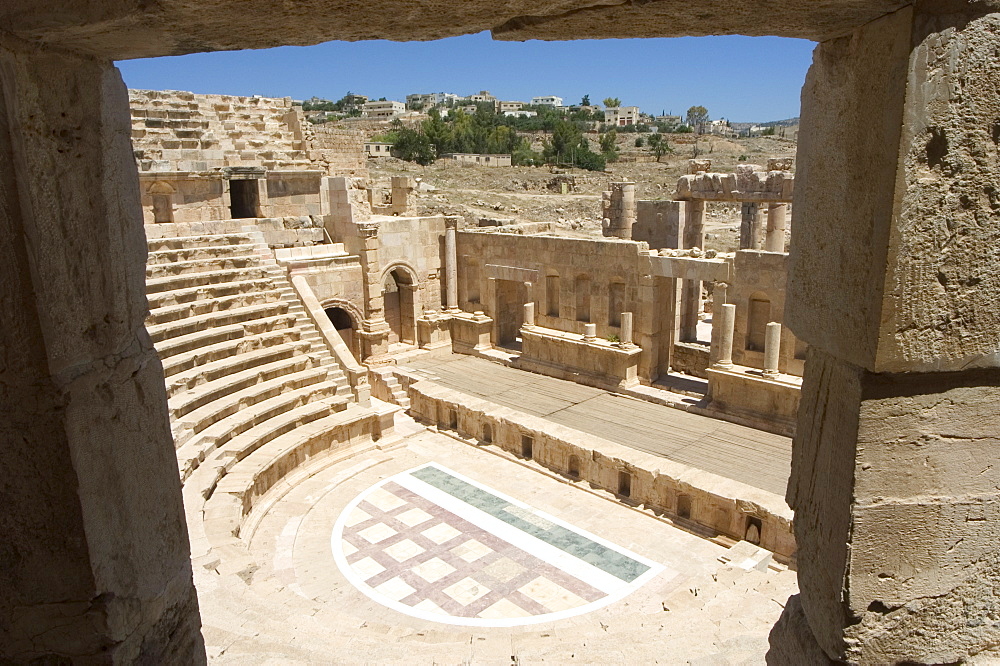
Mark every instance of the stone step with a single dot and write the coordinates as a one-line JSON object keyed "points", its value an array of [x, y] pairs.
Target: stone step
{"points": [[202, 292], [184, 403], [200, 375], [200, 266], [160, 332], [227, 348], [253, 416], [204, 279], [202, 338], [206, 306], [227, 404], [200, 240], [174, 255], [244, 444]]}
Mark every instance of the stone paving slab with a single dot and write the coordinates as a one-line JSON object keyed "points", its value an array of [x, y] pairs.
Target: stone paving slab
{"points": [[744, 454]]}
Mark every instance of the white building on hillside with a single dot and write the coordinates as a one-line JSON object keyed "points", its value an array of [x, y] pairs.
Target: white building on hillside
{"points": [[383, 109], [550, 100], [622, 115]]}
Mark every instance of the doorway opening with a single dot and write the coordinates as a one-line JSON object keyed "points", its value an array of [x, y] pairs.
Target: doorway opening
{"points": [[398, 302], [510, 299], [244, 199], [341, 320]]}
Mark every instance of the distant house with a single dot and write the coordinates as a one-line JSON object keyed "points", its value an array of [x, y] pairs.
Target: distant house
{"points": [[383, 109], [430, 99], [482, 96], [469, 159], [377, 149], [549, 100], [510, 106], [621, 116], [520, 114]]}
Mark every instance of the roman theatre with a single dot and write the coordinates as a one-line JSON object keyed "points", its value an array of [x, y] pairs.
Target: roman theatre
{"points": [[258, 408]]}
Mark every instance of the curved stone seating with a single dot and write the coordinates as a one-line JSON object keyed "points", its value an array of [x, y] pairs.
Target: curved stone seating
{"points": [[243, 363]]}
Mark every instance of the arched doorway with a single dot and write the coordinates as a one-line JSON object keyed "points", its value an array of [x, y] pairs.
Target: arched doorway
{"points": [[344, 323], [399, 307]]}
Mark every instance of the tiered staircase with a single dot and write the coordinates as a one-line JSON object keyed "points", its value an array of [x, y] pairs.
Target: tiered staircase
{"points": [[171, 127], [243, 363]]}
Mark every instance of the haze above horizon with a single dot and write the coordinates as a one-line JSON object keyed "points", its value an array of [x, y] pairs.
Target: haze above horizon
{"points": [[742, 79]]}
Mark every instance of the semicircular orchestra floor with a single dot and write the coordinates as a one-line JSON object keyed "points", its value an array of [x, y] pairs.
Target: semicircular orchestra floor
{"points": [[435, 551]]}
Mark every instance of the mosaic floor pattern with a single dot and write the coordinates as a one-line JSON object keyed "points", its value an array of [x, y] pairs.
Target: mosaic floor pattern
{"points": [[436, 545]]}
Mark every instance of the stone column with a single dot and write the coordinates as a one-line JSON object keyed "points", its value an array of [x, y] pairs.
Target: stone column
{"points": [[451, 262], [529, 314], [777, 215], [620, 210], [772, 347], [374, 331], [727, 323], [694, 236], [748, 224], [894, 282], [590, 331], [626, 329], [96, 565], [719, 296]]}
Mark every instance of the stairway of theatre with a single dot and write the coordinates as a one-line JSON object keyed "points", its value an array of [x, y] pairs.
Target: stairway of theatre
{"points": [[249, 379], [178, 131]]}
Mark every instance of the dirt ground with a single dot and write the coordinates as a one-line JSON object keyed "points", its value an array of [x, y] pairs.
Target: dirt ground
{"points": [[533, 194]]}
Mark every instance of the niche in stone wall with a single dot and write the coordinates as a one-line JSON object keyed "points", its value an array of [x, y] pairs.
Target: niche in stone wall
{"points": [[616, 302], [581, 287], [552, 294], [758, 315]]}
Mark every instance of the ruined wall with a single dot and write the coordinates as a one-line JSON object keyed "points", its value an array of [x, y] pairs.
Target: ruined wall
{"points": [[602, 262], [339, 151], [660, 224]]}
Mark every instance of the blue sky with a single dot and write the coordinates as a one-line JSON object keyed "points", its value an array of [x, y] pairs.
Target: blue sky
{"points": [[739, 78]]}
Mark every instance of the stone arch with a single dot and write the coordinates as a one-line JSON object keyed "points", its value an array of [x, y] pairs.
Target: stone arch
{"points": [[399, 295], [405, 268], [354, 316]]}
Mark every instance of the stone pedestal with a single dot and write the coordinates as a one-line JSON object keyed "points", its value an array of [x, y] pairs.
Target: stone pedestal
{"points": [[95, 564]]}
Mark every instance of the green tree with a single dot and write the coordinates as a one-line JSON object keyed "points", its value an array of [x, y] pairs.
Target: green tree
{"points": [[659, 145], [612, 102], [569, 146], [608, 147], [639, 142], [697, 116], [414, 146], [585, 101]]}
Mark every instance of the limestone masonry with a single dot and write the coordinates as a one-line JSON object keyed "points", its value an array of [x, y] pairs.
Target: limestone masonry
{"points": [[255, 409]]}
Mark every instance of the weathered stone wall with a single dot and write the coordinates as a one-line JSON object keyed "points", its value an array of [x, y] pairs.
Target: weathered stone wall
{"points": [[94, 558], [660, 224], [416, 246], [340, 151], [719, 504], [602, 262]]}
